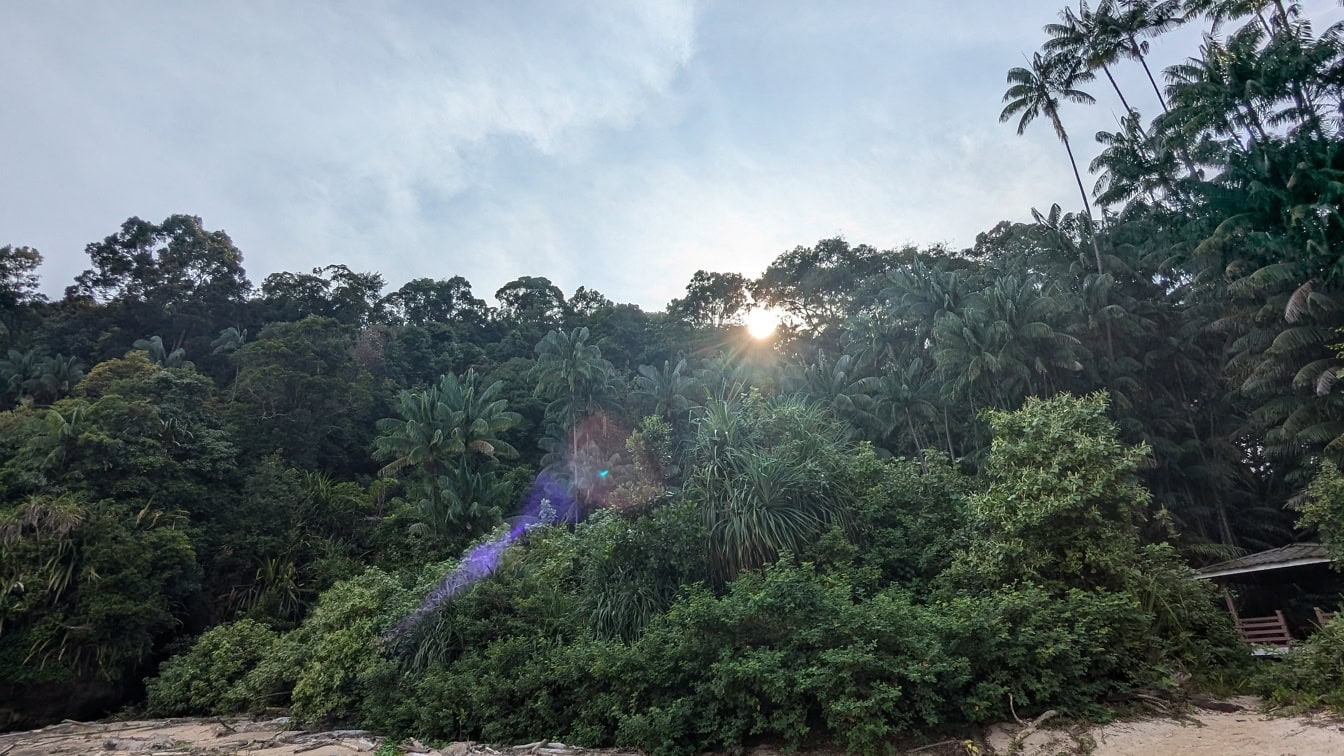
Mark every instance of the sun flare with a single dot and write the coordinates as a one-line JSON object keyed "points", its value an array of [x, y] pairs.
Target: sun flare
{"points": [[761, 323]]}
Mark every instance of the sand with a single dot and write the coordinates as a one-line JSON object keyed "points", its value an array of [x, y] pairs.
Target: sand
{"points": [[1201, 733]]}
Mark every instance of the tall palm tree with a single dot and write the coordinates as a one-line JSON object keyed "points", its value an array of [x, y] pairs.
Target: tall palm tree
{"points": [[1083, 36], [1037, 90], [668, 389], [579, 382], [230, 343], [572, 372], [1133, 19]]}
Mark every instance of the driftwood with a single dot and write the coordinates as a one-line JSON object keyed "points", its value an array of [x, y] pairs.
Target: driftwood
{"points": [[1027, 731]]}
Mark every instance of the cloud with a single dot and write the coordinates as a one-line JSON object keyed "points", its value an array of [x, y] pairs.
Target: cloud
{"points": [[618, 145]]}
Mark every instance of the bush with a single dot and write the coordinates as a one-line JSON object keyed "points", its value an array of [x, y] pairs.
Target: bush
{"points": [[205, 679], [785, 652], [327, 666], [1313, 675], [1043, 650]]}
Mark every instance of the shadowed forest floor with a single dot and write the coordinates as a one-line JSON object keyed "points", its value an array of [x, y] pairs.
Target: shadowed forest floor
{"points": [[1202, 733]]}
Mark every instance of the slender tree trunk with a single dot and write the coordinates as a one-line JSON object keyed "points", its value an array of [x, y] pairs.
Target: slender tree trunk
{"points": [[1129, 110], [914, 436], [1263, 22], [1253, 120], [947, 430], [1087, 205], [1143, 61]]}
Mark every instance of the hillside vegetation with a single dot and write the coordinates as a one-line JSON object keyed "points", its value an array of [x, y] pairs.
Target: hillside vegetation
{"points": [[955, 486]]}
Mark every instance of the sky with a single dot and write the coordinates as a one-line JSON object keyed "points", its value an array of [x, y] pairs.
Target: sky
{"points": [[616, 145]]}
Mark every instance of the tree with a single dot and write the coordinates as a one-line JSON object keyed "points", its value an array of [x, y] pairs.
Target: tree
{"points": [[424, 301], [668, 389], [823, 284], [579, 383], [531, 299], [1036, 91], [175, 278], [588, 302], [713, 300], [18, 286], [300, 392], [1142, 18], [159, 354], [1092, 38], [445, 435]]}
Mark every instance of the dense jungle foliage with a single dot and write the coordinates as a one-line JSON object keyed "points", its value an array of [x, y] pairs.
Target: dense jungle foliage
{"points": [[955, 485]]}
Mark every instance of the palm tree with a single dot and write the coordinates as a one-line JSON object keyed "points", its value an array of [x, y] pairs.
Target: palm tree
{"points": [[159, 354], [668, 389], [446, 433], [572, 372], [444, 424], [57, 377], [906, 401], [481, 417], [1211, 96], [421, 438], [1083, 36], [1004, 345], [579, 382], [1036, 91], [59, 434], [1128, 166], [18, 371], [230, 343], [1143, 18], [839, 386]]}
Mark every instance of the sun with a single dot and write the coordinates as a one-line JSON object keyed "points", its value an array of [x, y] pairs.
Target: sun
{"points": [[761, 323]]}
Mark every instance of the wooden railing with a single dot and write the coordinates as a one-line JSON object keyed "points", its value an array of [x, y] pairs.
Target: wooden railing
{"points": [[1265, 631]]}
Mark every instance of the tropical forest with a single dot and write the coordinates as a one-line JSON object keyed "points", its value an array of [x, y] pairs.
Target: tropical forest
{"points": [[867, 500]]}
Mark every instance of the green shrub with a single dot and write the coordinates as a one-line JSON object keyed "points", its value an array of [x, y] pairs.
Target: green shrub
{"points": [[1312, 675], [631, 569], [205, 679], [784, 653], [327, 667], [1045, 651]]}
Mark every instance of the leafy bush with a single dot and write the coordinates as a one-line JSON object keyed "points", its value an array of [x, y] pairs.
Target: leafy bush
{"points": [[205, 679], [1322, 509], [1312, 675], [782, 652], [632, 569], [1042, 650], [327, 666]]}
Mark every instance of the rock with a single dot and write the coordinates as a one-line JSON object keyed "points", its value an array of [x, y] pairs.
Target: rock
{"points": [[457, 749]]}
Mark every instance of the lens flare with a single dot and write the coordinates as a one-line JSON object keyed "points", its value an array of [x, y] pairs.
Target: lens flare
{"points": [[592, 445]]}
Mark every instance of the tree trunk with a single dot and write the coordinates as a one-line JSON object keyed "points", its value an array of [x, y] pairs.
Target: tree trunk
{"points": [[1087, 205], [1138, 53], [914, 436], [1132, 114], [947, 429]]}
